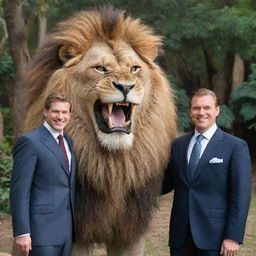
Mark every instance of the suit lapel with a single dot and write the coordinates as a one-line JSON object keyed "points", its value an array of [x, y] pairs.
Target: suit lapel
{"points": [[48, 140], [73, 159], [210, 150]]}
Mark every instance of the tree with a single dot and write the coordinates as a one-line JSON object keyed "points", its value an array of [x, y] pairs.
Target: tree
{"points": [[208, 43], [244, 100], [5, 33], [202, 39], [18, 30]]}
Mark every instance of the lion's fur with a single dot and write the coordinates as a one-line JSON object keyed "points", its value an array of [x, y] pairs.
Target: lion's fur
{"points": [[117, 190]]}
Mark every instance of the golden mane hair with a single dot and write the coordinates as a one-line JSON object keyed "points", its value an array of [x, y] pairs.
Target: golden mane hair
{"points": [[117, 190]]}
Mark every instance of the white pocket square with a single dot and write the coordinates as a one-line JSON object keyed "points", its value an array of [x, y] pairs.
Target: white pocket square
{"points": [[216, 160]]}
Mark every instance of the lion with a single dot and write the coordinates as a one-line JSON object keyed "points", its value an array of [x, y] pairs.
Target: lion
{"points": [[123, 121]]}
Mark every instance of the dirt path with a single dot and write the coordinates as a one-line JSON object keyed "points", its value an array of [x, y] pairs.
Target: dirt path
{"points": [[157, 238], [5, 235]]}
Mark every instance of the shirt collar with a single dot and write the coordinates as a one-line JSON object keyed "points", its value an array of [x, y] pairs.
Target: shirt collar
{"points": [[53, 132], [208, 133]]}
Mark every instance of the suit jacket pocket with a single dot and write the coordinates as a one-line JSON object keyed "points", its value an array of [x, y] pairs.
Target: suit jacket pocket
{"points": [[42, 209], [217, 213]]}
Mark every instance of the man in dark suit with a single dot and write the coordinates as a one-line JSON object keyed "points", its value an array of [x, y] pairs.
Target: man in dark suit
{"points": [[210, 173], [43, 184]]}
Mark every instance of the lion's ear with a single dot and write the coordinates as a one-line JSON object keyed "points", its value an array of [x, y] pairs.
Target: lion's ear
{"points": [[69, 55], [65, 53]]}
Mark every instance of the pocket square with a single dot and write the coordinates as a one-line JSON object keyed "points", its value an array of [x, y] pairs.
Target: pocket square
{"points": [[216, 160]]}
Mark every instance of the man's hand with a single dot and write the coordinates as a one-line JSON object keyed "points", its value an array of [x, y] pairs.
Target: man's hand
{"points": [[24, 244], [229, 248]]}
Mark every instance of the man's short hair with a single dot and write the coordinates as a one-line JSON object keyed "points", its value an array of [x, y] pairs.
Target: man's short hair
{"points": [[204, 92], [54, 97]]}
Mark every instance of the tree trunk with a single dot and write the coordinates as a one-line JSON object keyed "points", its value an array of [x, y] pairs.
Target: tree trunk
{"points": [[238, 71], [221, 81], [42, 22], [211, 71], [17, 31], [5, 36]]}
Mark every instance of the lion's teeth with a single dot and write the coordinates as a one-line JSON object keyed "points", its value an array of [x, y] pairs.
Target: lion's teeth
{"points": [[110, 107], [133, 106], [110, 126], [126, 124], [126, 104]]}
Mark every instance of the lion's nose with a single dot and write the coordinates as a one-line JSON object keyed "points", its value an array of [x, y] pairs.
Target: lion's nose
{"points": [[124, 88]]}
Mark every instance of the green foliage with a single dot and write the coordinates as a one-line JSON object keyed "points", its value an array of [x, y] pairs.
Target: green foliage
{"points": [[7, 121], [212, 23], [6, 67], [244, 100], [5, 162], [5, 176], [181, 102], [226, 117]]}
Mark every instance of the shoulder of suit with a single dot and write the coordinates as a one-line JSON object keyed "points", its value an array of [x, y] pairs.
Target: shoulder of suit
{"points": [[31, 135], [183, 138], [233, 139], [32, 132]]}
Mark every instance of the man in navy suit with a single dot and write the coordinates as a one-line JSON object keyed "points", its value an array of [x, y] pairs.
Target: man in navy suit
{"points": [[43, 184], [210, 173]]}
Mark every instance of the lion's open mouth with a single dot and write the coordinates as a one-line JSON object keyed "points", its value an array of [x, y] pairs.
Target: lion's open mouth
{"points": [[114, 117]]}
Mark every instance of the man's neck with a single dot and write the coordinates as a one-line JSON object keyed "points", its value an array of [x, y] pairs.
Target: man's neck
{"points": [[209, 132], [52, 130]]}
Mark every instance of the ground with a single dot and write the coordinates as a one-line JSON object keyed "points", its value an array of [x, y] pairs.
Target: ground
{"points": [[157, 237]]}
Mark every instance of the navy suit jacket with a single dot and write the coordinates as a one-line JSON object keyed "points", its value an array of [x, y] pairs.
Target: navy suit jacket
{"points": [[42, 189], [215, 203]]}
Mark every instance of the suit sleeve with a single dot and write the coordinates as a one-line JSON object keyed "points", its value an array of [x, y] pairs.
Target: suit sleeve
{"points": [[239, 192], [24, 163], [167, 185]]}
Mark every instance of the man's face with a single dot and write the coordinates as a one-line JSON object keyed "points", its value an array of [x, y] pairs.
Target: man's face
{"points": [[203, 112], [58, 115]]}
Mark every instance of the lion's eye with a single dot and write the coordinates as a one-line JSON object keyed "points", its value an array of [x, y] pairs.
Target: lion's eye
{"points": [[100, 69], [135, 69]]}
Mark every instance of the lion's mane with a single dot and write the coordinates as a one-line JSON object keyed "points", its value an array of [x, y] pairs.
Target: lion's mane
{"points": [[117, 189]]}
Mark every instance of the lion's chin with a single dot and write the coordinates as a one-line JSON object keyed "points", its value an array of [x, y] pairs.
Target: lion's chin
{"points": [[115, 141]]}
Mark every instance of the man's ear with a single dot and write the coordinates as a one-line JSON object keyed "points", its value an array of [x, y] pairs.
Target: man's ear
{"points": [[218, 110], [45, 113]]}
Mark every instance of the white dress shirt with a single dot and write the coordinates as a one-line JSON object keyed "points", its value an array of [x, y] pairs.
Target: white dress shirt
{"points": [[55, 134], [207, 136]]}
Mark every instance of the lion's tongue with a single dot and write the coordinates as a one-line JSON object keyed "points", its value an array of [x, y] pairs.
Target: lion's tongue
{"points": [[117, 117]]}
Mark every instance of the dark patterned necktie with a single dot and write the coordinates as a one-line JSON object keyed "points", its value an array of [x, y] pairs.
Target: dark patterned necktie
{"points": [[62, 147], [195, 155]]}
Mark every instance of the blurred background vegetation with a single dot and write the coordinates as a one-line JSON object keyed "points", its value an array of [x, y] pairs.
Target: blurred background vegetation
{"points": [[208, 43]]}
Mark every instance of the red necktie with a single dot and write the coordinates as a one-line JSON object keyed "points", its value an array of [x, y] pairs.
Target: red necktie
{"points": [[62, 146]]}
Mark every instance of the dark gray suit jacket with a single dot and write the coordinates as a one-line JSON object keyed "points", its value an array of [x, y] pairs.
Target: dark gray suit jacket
{"points": [[215, 203], [42, 189]]}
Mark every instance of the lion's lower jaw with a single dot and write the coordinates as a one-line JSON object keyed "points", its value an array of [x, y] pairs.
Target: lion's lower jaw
{"points": [[115, 141]]}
